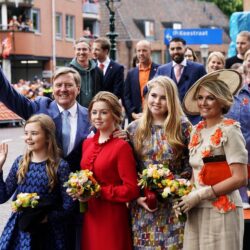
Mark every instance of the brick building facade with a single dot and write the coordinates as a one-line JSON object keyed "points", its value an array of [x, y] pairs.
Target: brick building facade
{"points": [[147, 19]]}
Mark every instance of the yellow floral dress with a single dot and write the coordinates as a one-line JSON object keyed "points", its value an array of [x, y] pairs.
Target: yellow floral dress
{"points": [[216, 224]]}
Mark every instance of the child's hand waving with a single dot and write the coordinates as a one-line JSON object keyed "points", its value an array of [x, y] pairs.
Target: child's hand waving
{"points": [[3, 154]]}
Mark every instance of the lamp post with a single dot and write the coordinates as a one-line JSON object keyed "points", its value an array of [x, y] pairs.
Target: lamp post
{"points": [[112, 34], [204, 53]]}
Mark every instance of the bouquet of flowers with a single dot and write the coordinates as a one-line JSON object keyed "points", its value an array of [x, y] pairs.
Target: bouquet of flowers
{"points": [[25, 200], [82, 184], [175, 189], [154, 176], [152, 179]]}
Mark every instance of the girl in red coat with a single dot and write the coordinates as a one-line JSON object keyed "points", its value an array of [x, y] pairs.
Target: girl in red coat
{"points": [[106, 223]]}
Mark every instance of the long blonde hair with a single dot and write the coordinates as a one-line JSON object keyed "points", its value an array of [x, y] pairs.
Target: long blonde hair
{"points": [[48, 126], [172, 123]]}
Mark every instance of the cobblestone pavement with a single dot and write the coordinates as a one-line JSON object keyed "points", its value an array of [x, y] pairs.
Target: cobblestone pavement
{"points": [[14, 138]]}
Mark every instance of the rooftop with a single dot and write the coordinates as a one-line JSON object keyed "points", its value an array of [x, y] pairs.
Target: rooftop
{"points": [[189, 13]]}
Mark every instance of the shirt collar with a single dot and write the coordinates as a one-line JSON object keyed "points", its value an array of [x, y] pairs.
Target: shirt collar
{"points": [[105, 63], [72, 110], [149, 67]]}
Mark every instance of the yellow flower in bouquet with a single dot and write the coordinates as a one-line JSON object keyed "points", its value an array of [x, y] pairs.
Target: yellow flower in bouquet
{"points": [[82, 184], [25, 200], [155, 176], [175, 189], [152, 180]]}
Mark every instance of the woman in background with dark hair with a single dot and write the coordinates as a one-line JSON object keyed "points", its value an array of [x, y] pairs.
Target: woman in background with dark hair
{"points": [[190, 55]]}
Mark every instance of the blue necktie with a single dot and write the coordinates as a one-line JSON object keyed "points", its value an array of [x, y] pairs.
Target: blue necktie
{"points": [[65, 131]]}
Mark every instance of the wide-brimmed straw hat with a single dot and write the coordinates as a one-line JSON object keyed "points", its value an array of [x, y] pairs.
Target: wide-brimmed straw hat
{"points": [[231, 77]]}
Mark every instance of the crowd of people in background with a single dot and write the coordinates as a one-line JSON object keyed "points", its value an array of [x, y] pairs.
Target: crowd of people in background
{"points": [[32, 89], [194, 118], [21, 23]]}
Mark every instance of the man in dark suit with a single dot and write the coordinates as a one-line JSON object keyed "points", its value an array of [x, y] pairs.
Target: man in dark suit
{"points": [[183, 72], [113, 72], [190, 71], [136, 80]]}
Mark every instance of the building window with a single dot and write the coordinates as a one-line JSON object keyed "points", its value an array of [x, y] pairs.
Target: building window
{"points": [[156, 57], [62, 62], [172, 25], [58, 25], [36, 20], [149, 30], [91, 28], [70, 27], [177, 25]]}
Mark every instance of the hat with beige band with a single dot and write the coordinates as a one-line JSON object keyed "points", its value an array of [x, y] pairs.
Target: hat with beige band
{"points": [[230, 77]]}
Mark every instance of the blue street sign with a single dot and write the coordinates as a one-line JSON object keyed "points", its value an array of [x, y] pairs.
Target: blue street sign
{"points": [[195, 36]]}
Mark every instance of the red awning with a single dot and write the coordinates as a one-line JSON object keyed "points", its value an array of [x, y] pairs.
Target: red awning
{"points": [[7, 115]]}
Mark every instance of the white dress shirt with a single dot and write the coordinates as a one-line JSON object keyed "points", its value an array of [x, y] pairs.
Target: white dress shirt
{"points": [[105, 63]]}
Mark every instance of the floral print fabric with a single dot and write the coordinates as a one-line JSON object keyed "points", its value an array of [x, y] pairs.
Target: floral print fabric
{"points": [[161, 229], [226, 139]]}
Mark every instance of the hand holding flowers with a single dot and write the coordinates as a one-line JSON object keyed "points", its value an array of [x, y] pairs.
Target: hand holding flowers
{"points": [[176, 189], [158, 178], [152, 180], [25, 200], [82, 186], [154, 176]]}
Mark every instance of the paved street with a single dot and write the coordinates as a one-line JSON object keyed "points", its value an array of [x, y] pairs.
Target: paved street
{"points": [[16, 147]]}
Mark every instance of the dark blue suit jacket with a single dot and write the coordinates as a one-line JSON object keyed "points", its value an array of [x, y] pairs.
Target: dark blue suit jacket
{"points": [[114, 78], [132, 92], [26, 108], [191, 73]]}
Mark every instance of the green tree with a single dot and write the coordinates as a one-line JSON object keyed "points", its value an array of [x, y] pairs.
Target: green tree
{"points": [[228, 6]]}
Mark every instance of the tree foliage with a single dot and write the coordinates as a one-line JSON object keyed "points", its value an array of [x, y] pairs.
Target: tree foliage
{"points": [[228, 6]]}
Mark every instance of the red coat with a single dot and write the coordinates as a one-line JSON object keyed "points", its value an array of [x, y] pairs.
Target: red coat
{"points": [[106, 224]]}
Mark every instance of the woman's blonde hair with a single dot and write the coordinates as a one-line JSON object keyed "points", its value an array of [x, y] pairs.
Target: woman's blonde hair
{"points": [[172, 124], [219, 56], [113, 103], [48, 127], [221, 92]]}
